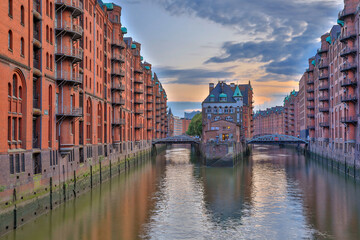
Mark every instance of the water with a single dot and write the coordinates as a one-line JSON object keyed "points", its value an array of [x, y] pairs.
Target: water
{"points": [[275, 194]]}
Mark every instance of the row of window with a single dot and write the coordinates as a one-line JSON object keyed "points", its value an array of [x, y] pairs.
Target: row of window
{"points": [[22, 12], [17, 163], [220, 110], [11, 46]]}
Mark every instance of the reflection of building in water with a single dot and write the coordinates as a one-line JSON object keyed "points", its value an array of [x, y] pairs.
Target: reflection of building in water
{"points": [[227, 191], [331, 202]]}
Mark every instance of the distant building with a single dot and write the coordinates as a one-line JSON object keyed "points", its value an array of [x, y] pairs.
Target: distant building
{"points": [[269, 121], [190, 115], [178, 126], [222, 113], [185, 125], [171, 120], [292, 120]]}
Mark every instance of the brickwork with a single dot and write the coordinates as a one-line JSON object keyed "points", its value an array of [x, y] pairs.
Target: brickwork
{"points": [[269, 121], [75, 91]]}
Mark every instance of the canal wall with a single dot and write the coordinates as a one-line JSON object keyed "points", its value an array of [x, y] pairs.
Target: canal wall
{"points": [[25, 206], [223, 154]]}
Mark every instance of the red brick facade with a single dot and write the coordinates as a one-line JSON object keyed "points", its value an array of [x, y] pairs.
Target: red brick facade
{"points": [[74, 90], [269, 121]]}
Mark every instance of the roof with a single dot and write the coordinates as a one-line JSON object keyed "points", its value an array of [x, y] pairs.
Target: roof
{"points": [[221, 88], [237, 92]]}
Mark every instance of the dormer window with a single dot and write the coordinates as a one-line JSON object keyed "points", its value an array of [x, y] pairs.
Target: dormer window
{"points": [[212, 98], [222, 97]]}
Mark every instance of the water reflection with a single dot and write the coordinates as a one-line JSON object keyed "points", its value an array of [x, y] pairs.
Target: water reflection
{"points": [[275, 194]]}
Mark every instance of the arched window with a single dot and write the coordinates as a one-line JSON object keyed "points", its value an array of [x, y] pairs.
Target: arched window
{"points": [[51, 62], [14, 85], [22, 47], [9, 89], [47, 7], [22, 15], [47, 33], [51, 36], [51, 10], [47, 60], [10, 40], [10, 9], [20, 92]]}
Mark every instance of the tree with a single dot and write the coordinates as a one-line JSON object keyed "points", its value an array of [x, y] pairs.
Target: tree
{"points": [[195, 126]]}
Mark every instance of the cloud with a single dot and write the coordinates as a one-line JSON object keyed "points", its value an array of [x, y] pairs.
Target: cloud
{"points": [[280, 33], [193, 76]]}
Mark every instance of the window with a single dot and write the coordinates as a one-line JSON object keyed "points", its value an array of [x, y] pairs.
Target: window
{"points": [[22, 15], [17, 163], [11, 160], [47, 33], [9, 89], [51, 36], [10, 40], [22, 46], [51, 62], [51, 10], [13, 131], [10, 10], [90, 26], [47, 7], [14, 85], [23, 162], [47, 60]]}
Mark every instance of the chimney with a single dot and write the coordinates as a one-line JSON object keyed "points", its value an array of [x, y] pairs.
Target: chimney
{"points": [[232, 86], [211, 87]]}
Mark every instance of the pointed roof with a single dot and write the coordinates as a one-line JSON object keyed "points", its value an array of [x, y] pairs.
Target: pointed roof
{"points": [[170, 112], [237, 92]]}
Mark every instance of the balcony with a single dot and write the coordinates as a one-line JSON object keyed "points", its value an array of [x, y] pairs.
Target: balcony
{"points": [[310, 90], [73, 29], [349, 120], [322, 50], [349, 98], [311, 115], [68, 111], [348, 67], [118, 43], [117, 87], [310, 98], [324, 124], [138, 80], [138, 90], [347, 36], [116, 72], [118, 58], [324, 98], [324, 109], [118, 101], [324, 87], [324, 76], [118, 122], [347, 51], [311, 127], [36, 67], [311, 107], [309, 70], [349, 82], [37, 9], [63, 77], [139, 126], [139, 101], [138, 69], [323, 65], [139, 111], [310, 82], [36, 38], [74, 53], [75, 6], [150, 92], [346, 13]]}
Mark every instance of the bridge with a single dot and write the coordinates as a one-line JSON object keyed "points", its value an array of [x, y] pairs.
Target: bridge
{"points": [[183, 139], [276, 139]]}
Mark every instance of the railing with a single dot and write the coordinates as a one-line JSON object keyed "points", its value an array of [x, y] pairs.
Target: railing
{"points": [[324, 87], [348, 66], [324, 98], [118, 42], [139, 100], [118, 121], [323, 76], [311, 107], [349, 119], [36, 63], [68, 76], [36, 101], [139, 111], [324, 109], [118, 57], [138, 69], [348, 50], [310, 115], [118, 100], [139, 125], [73, 3], [322, 50], [36, 141], [310, 98], [323, 65], [69, 111], [37, 34], [309, 90], [117, 71], [324, 124], [347, 34], [349, 98], [349, 82], [138, 90], [311, 81], [118, 86], [67, 26], [345, 12], [70, 51]]}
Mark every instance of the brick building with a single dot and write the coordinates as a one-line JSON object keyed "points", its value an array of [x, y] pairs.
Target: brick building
{"points": [[226, 115], [75, 90], [269, 121], [291, 114]]}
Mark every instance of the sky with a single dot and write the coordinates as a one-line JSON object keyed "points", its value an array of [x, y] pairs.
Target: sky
{"points": [[191, 43]]}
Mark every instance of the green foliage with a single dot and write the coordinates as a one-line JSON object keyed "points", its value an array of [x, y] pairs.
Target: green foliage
{"points": [[195, 126]]}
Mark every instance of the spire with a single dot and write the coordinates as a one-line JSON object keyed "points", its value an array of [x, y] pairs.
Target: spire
{"points": [[237, 92], [170, 113]]}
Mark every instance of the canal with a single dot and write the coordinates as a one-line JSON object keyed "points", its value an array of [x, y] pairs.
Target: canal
{"points": [[275, 194]]}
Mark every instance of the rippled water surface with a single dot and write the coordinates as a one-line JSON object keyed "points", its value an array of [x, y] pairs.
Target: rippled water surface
{"points": [[275, 194]]}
